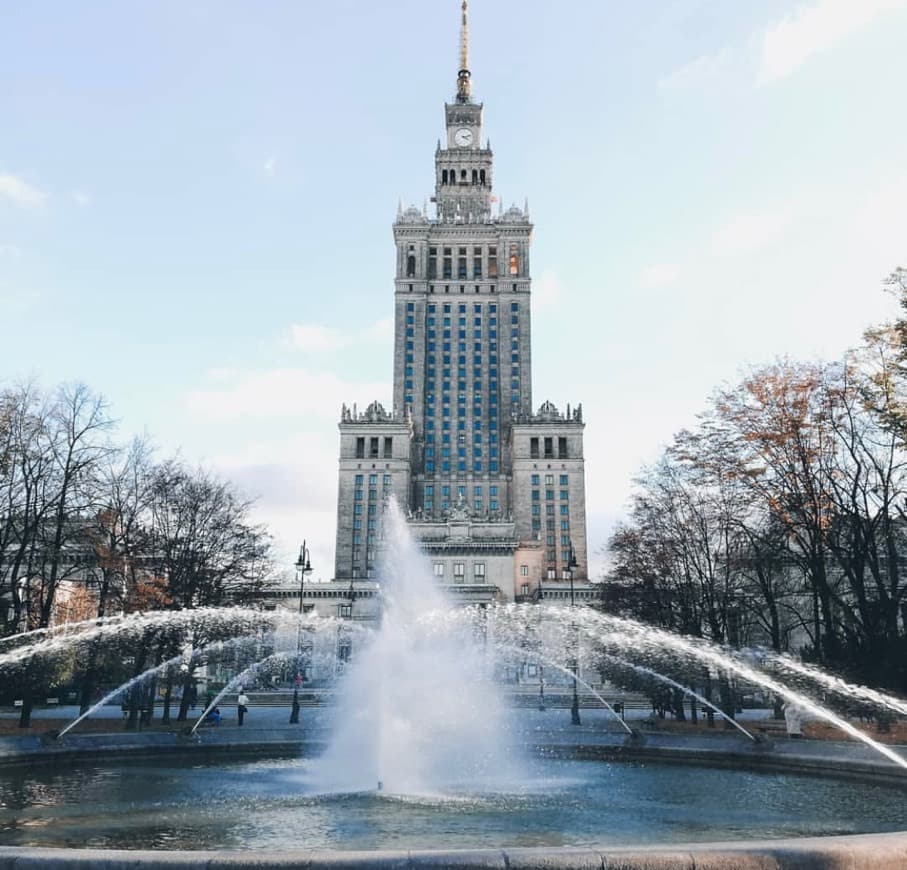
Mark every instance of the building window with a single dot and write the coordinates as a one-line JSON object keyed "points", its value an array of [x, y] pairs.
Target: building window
{"points": [[459, 570], [549, 448], [438, 569], [373, 448], [524, 570], [514, 260], [388, 448], [432, 262], [552, 572], [360, 448], [563, 480], [534, 449], [479, 572], [524, 590], [562, 448]]}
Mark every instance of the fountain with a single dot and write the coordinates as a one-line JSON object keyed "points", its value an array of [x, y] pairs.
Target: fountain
{"points": [[421, 751]]}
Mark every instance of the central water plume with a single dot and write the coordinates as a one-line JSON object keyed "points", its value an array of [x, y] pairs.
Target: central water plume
{"points": [[419, 713]]}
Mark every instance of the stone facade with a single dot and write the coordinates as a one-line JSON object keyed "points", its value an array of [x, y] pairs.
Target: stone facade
{"points": [[494, 489]]}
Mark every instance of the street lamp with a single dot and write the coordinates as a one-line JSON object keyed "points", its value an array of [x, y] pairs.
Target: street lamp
{"points": [[572, 565], [541, 669], [303, 566]]}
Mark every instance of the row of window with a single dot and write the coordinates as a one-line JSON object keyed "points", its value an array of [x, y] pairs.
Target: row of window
{"points": [[459, 571], [478, 505], [465, 263], [450, 177], [548, 445], [373, 445], [549, 495]]}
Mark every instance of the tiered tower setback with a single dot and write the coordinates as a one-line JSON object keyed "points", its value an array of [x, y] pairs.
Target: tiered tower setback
{"points": [[478, 466]]}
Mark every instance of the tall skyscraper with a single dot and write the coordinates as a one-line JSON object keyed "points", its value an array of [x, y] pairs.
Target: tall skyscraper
{"points": [[494, 492]]}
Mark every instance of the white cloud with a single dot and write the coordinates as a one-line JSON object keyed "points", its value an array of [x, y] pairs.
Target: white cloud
{"points": [[80, 197], [315, 338], [659, 275], [703, 70], [20, 193], [547, 290], [10, 251], [270, 165], [748, 232], [280, 395], [789, 43]]}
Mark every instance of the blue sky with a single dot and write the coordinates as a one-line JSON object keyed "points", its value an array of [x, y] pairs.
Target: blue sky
{"points": [[196, 200]]}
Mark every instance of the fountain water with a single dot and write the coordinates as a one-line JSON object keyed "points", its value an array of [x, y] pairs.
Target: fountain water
{"points": [[418, 710]]}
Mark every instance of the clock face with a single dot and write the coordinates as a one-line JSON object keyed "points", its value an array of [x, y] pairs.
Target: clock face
{"points": [[463, 137]]}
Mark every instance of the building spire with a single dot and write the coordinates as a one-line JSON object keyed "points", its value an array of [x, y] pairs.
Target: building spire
{"points": [[463, 75]]}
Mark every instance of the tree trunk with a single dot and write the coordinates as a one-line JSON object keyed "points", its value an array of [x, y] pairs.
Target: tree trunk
{"points": [[168, 696]]}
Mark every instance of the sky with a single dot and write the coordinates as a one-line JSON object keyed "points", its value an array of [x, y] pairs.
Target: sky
{"points": [[196, 201]]}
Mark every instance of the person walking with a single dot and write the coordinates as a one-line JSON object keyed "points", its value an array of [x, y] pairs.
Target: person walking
{"points": [[242, 705]]}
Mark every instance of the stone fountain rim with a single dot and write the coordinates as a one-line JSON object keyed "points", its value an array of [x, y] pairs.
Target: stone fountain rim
{"points": [[878, 851]]}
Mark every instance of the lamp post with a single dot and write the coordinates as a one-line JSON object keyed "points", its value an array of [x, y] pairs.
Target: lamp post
{"points": [[541, 670], [574, 707], [303, 566]]}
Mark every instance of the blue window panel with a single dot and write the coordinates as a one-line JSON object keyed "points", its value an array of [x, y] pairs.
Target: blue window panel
{"points": [[408, 400], [461, 361], [492, 308], [461, 466], [431, 308], [446, 346], [429, 452], [430, 439], [445, 438], [536, 495], [429, 489], [477, 360], [493, 505], [410, 318], [477, 468], [493, 424], [445, 452], [476, 452], [477, 308], [445, 466], [492, 467], [461, 333], [429, 467], [477, 424], [492, 412], [410, 306], [446, 412], [514, 306], [563, 480], [564, 510], [409, 371], [431, 346], [493, 398], [461, 452], [408, 385], [461, 347], [431, 362], [492, 490], [430, 425], [477, 347], [493, 452], [357, 509], [431, 321], [410, 332], [492, 333], [514, 357], [429, 505]]}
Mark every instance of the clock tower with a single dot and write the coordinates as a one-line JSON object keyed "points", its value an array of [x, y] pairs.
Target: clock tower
{"points": [[463, 168]]}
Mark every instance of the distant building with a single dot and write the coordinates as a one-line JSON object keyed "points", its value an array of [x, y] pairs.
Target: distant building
{"points": [[494, 488]]}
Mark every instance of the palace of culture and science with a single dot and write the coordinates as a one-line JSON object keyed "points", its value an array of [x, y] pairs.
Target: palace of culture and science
{"points": [[492, 486]]}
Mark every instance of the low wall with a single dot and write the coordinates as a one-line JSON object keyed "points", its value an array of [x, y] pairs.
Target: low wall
{"points": [[866, 852]]}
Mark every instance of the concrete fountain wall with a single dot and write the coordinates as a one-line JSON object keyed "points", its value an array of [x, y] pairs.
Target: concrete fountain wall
{"points": [[866, 852]]}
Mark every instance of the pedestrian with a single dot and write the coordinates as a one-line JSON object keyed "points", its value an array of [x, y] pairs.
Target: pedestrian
{"points": [[242, 705], [793, 720]]}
